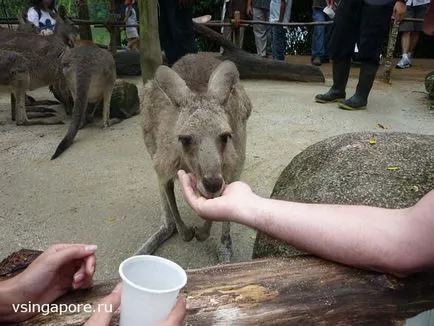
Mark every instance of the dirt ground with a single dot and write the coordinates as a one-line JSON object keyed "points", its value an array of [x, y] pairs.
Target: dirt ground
{"points": [[103, 190]]}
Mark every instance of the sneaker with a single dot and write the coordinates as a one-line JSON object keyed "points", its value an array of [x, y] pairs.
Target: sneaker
{"points": [[316, 61], [404, 62]]}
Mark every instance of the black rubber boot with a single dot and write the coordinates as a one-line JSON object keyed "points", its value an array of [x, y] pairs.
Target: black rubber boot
{"points": [[341, 71], [366, 79]]}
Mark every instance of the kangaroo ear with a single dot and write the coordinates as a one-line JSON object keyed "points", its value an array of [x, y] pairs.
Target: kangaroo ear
{"points": [[222, 81], [172, 85]]}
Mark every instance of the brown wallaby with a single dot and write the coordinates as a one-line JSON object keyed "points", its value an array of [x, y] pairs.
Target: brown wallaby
{"points": [[194, 118], [43, 55], [90, 73]]}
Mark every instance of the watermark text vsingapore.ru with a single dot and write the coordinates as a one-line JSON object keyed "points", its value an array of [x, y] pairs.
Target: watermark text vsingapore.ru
{"points": [[60, 309]]}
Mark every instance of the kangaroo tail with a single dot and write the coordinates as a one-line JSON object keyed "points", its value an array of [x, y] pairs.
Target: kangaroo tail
{"points": [[80, 105]]}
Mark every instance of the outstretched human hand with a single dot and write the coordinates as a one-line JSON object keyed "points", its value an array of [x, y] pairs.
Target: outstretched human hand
{"points": [[235, 203]]}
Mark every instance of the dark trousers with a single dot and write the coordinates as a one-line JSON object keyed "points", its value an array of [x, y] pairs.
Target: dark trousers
{"points": [[357, 22], [176, 30]]}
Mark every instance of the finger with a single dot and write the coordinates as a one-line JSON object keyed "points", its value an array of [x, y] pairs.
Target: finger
{"points": [[62, 246], [178, 313], [79, 275], [71, 253], [90, 265], [83, 277], [106, 307], [187, 190]]}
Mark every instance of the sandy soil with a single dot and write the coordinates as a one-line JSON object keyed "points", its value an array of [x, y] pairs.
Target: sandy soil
{"points": [[104, 190]]}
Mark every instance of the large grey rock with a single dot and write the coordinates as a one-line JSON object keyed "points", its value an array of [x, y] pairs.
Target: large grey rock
{"points": [[394, 173]]}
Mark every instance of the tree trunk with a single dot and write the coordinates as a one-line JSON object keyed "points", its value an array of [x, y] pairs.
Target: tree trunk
{"points": [[150, 50], [298, 291], [251, 66], [83, 13], [114, 31]]}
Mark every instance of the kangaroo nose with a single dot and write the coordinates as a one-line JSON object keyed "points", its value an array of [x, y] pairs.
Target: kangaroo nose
{"points": [[212, 184]]}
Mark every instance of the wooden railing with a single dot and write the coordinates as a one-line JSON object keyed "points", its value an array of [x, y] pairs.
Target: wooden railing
{"points": [[235, 24], [303, 290]]}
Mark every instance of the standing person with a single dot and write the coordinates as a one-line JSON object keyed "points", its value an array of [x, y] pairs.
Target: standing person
{"points": [[176, 29], [131, 19], [40, 14], [231, 7], [280, 11], [365, 22], [411, 31], [260, 10], [319, 43]]}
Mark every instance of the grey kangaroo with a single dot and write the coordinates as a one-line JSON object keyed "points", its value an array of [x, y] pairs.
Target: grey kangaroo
{"points": [[43, 56], [90, 74], [194, 118]]}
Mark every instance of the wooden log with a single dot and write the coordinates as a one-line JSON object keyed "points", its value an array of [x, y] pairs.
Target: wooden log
{"points": [[299, 291], [388, 64], [251, 66], [150, 50]]}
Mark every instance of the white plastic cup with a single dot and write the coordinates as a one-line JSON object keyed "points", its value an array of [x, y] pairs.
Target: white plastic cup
{"points": [[329, 12], [150, 287]]}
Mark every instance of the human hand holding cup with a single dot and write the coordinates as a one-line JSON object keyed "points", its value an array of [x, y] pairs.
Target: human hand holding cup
{"points": [[151, 286]]}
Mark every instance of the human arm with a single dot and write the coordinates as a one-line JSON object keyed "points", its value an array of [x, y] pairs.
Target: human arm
{"points": [[127, 14], [249, 10], [282, 10], [57, 270], [331, 4], [399, 10], [396, 241]]}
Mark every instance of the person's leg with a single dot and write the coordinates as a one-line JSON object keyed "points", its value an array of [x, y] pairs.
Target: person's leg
{"points": [[404, 62], [260, 31], [419, 12], [167, 28], [374, 27], [277, 31], [318, 38], [184, 33], [414, 39], [278, 43], [343, 37], [406, 28], [405, 41]]}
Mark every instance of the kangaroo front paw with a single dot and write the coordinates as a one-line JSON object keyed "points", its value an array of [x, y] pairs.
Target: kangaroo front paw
{"points": [[110, 122], [187, 234], [225, 254], [201, 234]]}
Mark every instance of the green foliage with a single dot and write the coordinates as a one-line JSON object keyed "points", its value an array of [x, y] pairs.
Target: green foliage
{"points": [[11, 8]]}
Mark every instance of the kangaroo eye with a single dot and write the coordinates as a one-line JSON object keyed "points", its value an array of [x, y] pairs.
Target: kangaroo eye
{"points": [[225, 137], [185, 140]]}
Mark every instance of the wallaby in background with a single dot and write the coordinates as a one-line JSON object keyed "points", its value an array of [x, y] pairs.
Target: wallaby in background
{"points": [[194, 118], [90, 73], [43, 55], [14, 77]]}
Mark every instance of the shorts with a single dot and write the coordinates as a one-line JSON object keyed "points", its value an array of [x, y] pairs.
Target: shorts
{"points": [[414, 12], [131, 32]]}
